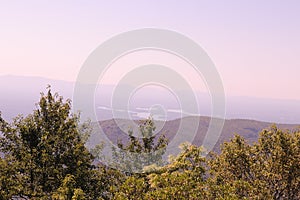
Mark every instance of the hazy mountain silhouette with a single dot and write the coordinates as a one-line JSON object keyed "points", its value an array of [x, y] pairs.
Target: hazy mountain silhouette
{"points": [[18, 95]]}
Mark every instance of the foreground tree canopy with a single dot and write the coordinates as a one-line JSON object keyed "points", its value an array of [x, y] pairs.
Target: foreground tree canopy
{"points": [[43, 156]]}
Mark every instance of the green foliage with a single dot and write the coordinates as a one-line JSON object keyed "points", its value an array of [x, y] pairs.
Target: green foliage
{"points": [[140, 153], [67, 190], [278, 162], [9, 178], [231, 172], [44, 148], [269, 169], [110, 181], [183, 178], [133, 188]]}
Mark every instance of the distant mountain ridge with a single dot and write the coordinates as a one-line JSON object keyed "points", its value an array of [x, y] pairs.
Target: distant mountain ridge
{"points": [[18, 95]]}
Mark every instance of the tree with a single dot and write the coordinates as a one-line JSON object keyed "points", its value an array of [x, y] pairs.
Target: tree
{"points": [[9, 178], [67, 190], [269, 169], [134, 188], [45, 147], [278, 162], [133, 158], [231, 172], [183, 178], [140, 153], [108, 182]]}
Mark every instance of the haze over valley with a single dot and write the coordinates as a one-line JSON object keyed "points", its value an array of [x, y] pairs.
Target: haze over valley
{"points": [[19, 95]]}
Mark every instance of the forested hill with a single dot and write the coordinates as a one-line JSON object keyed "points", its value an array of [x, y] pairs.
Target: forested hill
{"points": [[249, 129]]}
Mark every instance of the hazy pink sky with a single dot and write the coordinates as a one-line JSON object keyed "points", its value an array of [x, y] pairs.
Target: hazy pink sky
{"points": [[255, 45]]}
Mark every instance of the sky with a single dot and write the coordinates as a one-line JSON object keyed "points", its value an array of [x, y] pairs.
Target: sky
{"points": [[255, 45]]}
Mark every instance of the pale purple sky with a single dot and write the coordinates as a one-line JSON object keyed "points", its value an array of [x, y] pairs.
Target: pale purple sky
{"points": [[255, 45]]}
